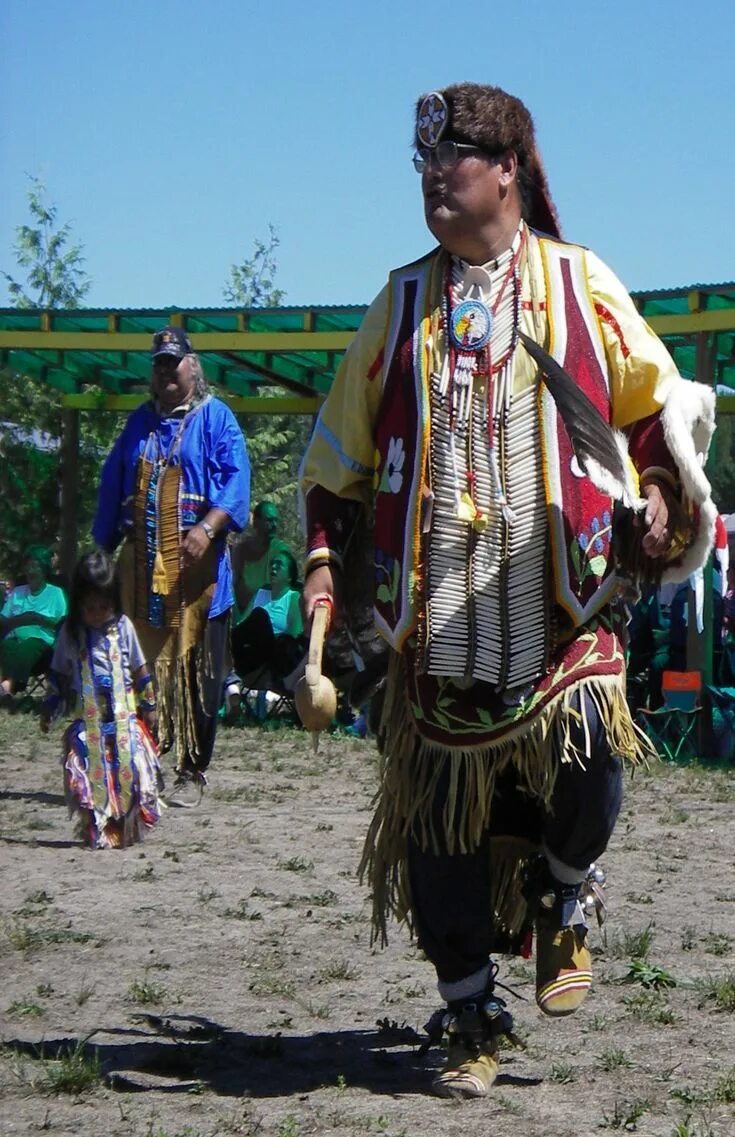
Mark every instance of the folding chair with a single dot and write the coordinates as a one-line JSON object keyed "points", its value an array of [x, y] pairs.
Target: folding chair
{"points": [[35, 686], [674, 728], [722, 703], [255, 702]]}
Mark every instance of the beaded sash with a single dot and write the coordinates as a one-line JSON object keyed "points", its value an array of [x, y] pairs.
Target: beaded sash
{"points": [[109, 743]]}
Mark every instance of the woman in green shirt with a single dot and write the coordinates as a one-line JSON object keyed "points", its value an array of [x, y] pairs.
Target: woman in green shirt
{"points": [[29, 621]]}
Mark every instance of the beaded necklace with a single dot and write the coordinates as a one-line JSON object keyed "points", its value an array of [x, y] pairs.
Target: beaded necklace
{"points": [[468, 326]]}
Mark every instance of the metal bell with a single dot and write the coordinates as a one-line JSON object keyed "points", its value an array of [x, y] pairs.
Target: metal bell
{"points": [[492, 1008], [599, 876], [590, 904], [548, 899]]}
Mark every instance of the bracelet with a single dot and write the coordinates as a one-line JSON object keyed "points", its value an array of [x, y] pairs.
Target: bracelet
{"points": [[320, 557], [208, 529], [656, 474]]}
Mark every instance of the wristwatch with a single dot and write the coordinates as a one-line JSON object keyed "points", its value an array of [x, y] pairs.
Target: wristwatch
{"points": [[208, 530]]}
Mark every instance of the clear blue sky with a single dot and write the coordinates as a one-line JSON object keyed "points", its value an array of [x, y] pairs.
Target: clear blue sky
{"points": [[170, 134]]}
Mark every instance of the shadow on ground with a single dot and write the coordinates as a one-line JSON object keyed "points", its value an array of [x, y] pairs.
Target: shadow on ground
{"points": [[179, 1052]]}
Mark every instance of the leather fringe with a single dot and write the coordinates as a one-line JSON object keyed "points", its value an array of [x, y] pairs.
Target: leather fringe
{"points": [[412, 767]]}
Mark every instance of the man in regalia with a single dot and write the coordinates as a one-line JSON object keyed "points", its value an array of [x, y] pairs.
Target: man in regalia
{"points": [[498, 562]]}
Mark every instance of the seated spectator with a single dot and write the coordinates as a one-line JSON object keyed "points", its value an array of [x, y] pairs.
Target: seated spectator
{"points": [[252, 558], [272, 635], [29, 620]]}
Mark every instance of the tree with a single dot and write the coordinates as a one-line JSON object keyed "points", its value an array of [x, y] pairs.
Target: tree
{"points": [[32, 426], [251, 283], [275, 442], [55, 278]]}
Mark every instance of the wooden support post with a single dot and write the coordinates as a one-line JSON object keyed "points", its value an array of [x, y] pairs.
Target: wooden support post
{"points": [[69, 491]]}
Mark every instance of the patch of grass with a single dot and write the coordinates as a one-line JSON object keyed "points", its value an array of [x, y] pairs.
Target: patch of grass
{"points": [[649, 975], [724, 1090], [146, 993], [717, 943], [613, 1059], [320, 899], [25, 1008], [639, 898], [289, 1127], [206, 893], [24, 938], [562, 1072], [625, 1115], [721, 1093], [413, 991], [317, 1010], [146, 873], [296, 864], [272, 985], [632, 943], [84, 993], [338, 969], [597, 1022], [34, 901], [688, 938], [72, 1071], [187, 1131], [720, 991], [241, 911], [650, 1007]]}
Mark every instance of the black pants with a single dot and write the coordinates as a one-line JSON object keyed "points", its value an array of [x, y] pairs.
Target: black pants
{"points": [[254, 645], [451, 894], [208, 688]]}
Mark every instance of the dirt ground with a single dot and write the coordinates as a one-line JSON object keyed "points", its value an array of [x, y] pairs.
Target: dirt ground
{"points": [[219, 978]]}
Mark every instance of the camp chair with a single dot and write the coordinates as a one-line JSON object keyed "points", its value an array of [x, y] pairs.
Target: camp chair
{"points": [[674, 728], [722, 703], [255, 704]]}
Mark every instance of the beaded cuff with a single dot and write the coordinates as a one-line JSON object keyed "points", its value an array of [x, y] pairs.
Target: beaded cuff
{"points": [[318, 557]]}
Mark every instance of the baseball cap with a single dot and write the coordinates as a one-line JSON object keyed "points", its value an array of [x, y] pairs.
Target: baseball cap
{"points": [[171, 341]]}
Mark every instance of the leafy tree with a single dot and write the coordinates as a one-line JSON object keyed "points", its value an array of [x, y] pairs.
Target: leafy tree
{"points": [[721, 465], [251, 283], [54, 274], [31, 426], [275, 442]]}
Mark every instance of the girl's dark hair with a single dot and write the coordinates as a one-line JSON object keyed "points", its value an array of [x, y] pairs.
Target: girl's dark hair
{"points": [[292, 563], [94, 572]]}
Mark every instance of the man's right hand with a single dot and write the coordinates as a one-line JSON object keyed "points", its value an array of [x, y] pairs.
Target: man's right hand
{"points": [[322, 583]]}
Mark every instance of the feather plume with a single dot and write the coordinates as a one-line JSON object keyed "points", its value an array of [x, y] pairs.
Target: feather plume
{"points": [[594, 441], [590, 435]]}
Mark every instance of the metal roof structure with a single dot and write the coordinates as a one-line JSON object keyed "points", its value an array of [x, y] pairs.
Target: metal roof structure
{"points": [[99, 358]]}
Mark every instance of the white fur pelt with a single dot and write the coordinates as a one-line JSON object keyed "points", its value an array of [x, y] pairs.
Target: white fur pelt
{"points": [[688, 420]]}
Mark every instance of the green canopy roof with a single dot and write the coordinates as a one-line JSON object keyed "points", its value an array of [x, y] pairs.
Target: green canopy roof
{"points": [[100, 358]]}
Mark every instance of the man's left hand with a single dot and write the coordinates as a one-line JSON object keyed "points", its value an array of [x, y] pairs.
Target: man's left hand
{"points": [[195, 544], [657, 540]]}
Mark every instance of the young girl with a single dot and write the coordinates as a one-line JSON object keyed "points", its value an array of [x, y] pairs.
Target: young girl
{"points": [[111, 771]]}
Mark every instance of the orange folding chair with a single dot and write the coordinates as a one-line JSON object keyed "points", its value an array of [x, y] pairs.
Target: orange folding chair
{"points": [[674, 728]]}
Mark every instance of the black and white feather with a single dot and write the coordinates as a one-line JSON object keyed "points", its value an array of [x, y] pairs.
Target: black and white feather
{"points": [[600, 450]]}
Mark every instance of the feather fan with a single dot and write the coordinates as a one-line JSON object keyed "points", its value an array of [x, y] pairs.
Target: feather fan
{"points": [[592, 438]]}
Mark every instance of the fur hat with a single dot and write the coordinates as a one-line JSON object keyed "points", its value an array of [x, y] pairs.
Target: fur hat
{"points": [[494, 121]]}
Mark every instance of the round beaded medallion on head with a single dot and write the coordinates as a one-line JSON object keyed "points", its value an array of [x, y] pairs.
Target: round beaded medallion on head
{"points": [[432, 119]]}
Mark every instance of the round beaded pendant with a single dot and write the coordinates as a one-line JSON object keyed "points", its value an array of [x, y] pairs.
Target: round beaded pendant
{"points": [[470, 325]]}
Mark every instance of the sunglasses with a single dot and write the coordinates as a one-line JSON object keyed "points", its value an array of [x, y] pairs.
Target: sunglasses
{"points": [[446, 155]]}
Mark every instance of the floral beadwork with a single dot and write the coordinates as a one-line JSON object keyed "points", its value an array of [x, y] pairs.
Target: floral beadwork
{"points": [[589, 551], [391, 479]]}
